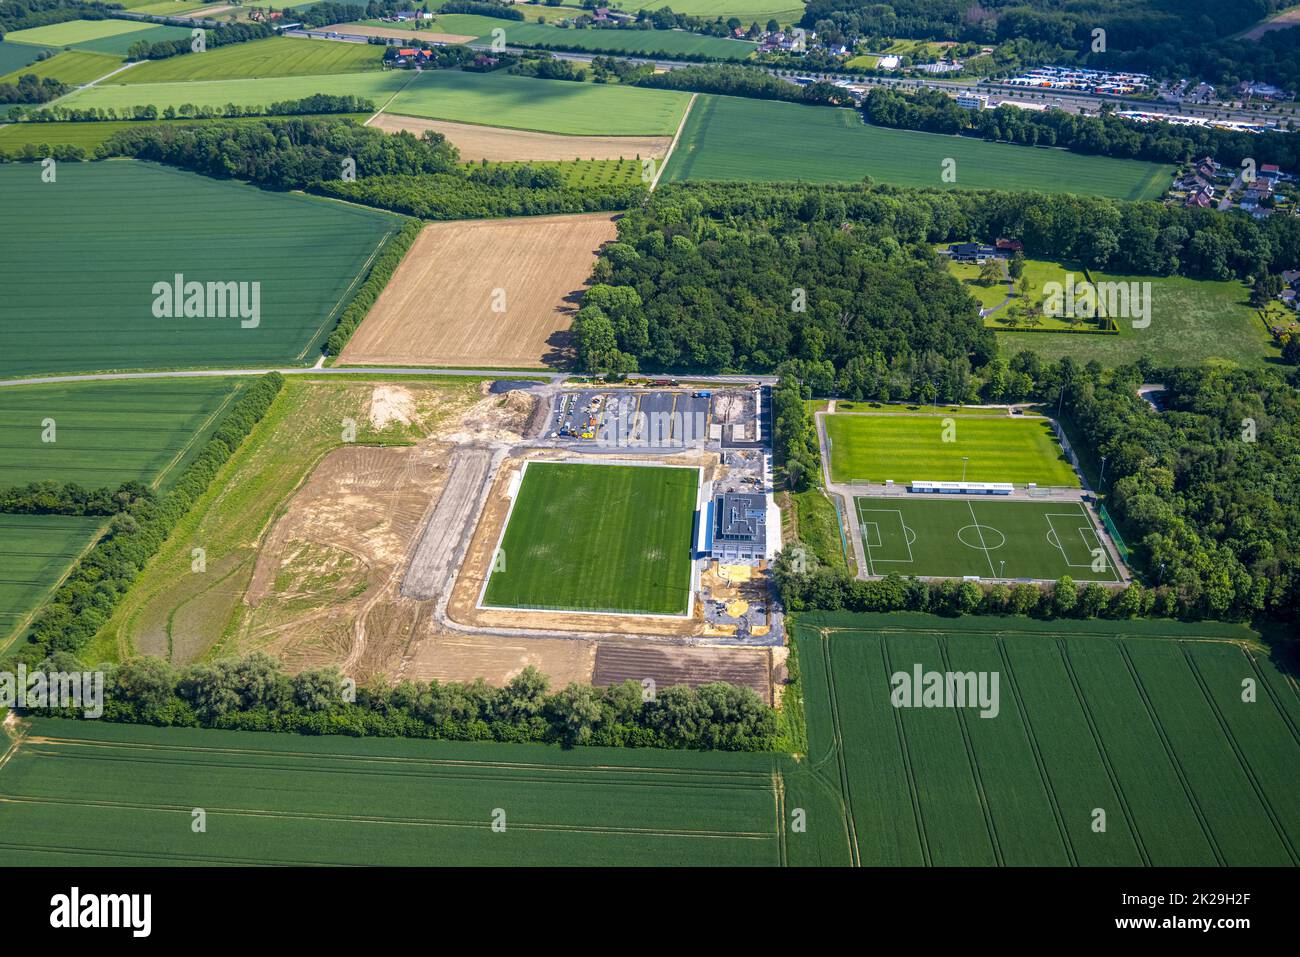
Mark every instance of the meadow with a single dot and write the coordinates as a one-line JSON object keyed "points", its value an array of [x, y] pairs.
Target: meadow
{"points": [[598, 538], [70, 67], [733, 138], [35, 552], [80, 263], [601, 172], [1143, 721], [982, 537], [89, 135], [786, 12], [997, 448], [109, 432], [15, 56], [532, 34], [94, 793], [97, 36], [262, 91], [1193, 321], [547, 106], [274, 56]]}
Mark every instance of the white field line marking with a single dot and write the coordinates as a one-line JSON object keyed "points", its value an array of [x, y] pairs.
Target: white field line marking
{"points": [[980, 532], [673, 145], [902, 528]]}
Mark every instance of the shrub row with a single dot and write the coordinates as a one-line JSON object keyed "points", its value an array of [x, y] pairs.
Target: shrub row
{"points": [[380, 273]]}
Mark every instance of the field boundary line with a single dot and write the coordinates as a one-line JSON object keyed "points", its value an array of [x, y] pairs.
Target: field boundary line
{"points": [[778, 794], [194, 436], [389, 101], [837, 736], [980, 532], [25, 622], [1025, 722], [942, 645], [1100, 744], [357, 281], [163, 856], [1246, 768], [1273, 693], [1188, 790], [926, 855], [673, 145]]}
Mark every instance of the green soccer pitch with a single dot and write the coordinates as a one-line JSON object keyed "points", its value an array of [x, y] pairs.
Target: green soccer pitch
{"points": [[991, 538], [907, 447], [613, 538]]}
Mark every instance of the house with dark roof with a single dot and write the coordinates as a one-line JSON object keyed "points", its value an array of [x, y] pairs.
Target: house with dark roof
{"points": [[739, 526]]}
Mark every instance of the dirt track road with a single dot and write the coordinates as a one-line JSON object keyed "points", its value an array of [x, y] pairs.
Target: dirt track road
{"points": [[449, 525]]}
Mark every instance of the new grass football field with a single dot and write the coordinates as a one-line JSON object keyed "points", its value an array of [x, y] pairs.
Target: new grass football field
{"points": [[598, 538], [734, 138], [894, 445], [989, 537], [79, 260]]}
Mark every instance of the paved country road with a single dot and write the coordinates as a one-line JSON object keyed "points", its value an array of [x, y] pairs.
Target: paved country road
{"points": [[360, 370]]}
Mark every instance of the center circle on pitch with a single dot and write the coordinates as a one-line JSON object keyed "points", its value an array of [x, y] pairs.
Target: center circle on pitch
{"points": [[970, 535]]}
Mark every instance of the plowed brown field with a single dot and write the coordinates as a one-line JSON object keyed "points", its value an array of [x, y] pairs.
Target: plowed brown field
{"points": [[495, 144]]}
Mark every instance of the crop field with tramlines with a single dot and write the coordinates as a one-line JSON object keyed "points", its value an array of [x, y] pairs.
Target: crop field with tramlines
{"points": [[1143, 722], [101, 434], [80, 259], [732, 138], [97, 36], [70, 67], [942, 448], [35, 552], [598, 538], [88, 793], [274, 56], [987, 537], [88, 135]]}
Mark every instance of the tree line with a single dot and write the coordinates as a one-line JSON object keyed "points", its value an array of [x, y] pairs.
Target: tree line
{"points": [[252, 693], [933, 111], [735, 80], [316, 103], [69, 498], [97, 583], [213, 37]]}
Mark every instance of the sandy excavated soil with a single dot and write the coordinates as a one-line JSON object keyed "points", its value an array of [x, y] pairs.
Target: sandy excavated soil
{"points": [[501, 145], [362, 30], [484, 293], [496, 660]]}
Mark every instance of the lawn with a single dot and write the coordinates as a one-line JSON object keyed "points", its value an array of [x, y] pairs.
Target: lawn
{"points": [[547, 106], [79, 264], [70, 67], [35, 552], [1192, 321], [89, 135], [985, 537], [98, 36], [665, 42], [598, 538], [733, 138], [92, 793], [1143, 720], [377, 86], [274, 56], [107, 433], [1019, 449]]}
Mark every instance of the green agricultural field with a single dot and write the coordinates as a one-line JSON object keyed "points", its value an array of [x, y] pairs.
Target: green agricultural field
{"points": [[35, 553], [89, 135], [274, 56], [172, 8], [1143, 720], [79, 265], [585, 173], [97, 36], [532, 34], [15, 56], [997, 448], [598, 538], [533, 10], [378, 86], [786, 12], [984, 537], [93, 793], [546, 106], [1192, 321], [733, 138], [71, 67], [110, 432]]}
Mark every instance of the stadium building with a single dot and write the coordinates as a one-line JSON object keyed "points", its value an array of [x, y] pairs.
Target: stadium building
{"points": [[737, 528]]}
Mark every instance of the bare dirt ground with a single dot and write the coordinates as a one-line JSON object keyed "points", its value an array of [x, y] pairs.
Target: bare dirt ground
{"points": [[484, 293], [501, 145], [363, 30], [617, 661], [1282, 21], [497, 659]]}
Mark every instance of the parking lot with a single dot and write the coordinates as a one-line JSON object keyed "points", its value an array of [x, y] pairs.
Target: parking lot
{"points": [[636, 418]]}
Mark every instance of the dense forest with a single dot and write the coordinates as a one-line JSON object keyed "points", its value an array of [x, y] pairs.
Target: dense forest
{"points": [[742, 277], [252, 693], [1107, 135]]}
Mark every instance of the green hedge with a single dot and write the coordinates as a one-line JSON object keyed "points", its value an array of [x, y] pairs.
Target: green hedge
{"points": [[380, 273]]}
